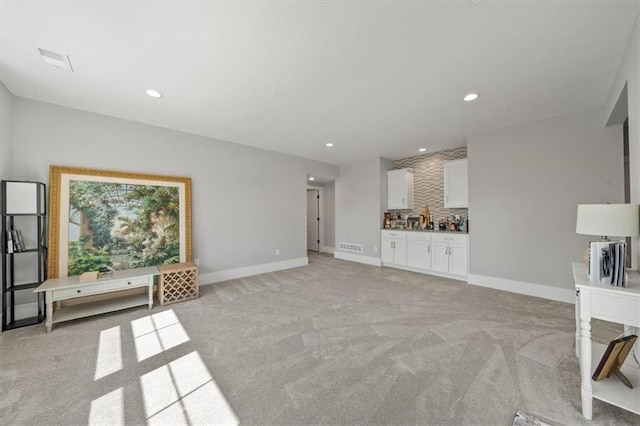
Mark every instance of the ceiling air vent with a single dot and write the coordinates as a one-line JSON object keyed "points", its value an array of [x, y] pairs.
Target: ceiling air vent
{"points": [[55, 59]]}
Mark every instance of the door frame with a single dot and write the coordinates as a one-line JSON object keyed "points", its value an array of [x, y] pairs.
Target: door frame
{"points": [[320, 190]]}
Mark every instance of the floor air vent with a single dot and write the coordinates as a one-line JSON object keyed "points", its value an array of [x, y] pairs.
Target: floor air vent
{"points": [[355, 248]]}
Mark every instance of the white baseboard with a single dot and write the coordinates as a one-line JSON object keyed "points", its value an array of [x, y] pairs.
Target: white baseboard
{"points": [[327, 249], [530, 289], [247, 271], [422, 271], [368, 260]]}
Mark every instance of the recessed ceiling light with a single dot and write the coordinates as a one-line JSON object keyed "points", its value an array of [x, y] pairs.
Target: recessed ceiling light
{"points": [[329, 144], [153, 93], [422, 149], [312, 178], [471, 97]]}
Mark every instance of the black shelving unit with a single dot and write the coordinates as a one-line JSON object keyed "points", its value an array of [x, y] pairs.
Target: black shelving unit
{"points": [[23, 206]]}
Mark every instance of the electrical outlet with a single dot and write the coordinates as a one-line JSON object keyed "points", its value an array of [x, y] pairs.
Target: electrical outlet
{"points": [[375, 249], [197, 262], [277, 252]]}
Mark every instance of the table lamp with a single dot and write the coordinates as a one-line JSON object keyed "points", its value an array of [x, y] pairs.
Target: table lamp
{"points": [[616, 220], [605, 220]]}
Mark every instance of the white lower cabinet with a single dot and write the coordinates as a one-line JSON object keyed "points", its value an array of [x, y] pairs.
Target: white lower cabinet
{"points": [[439, 253], [440, 259], [450, 254], [419, 250], [394, 248]]}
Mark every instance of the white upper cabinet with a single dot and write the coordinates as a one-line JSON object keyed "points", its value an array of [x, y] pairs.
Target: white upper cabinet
{"points": [[400, 189], [456, 192]]}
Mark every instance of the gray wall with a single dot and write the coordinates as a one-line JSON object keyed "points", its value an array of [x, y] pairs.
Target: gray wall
{"points": [[247, 202], [6, 131], [6, 137], [329, 206], [360, 203], [524, 185]]}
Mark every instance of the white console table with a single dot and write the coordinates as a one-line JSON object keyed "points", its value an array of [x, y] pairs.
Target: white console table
{"points": [[608, 303], [65, 288]]}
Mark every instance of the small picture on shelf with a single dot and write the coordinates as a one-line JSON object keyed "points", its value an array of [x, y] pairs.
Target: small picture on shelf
{"points": [[613, 359]]}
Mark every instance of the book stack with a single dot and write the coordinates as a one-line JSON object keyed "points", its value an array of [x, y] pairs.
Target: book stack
{"points": [[607, 261], [15, 241]]}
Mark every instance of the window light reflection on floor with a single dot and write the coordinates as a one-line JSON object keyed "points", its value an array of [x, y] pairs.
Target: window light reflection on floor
{"points": [[107, 410], [109, 358], [156, 333], [183, 392]]}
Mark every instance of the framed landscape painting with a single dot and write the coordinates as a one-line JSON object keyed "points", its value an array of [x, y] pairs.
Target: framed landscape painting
{"points": [[106, 219]]}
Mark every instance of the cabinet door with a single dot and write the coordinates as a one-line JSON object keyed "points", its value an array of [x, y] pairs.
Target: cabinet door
{"points": [[458, 259], [440, 257], [456, 193], [419, 254], [399, 189], [386, 250], [400, 252]]}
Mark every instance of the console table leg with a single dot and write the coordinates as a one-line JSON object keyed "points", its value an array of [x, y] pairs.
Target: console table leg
{"points": [[585, 368], [49, 322], [577, 312], [151, 293]]}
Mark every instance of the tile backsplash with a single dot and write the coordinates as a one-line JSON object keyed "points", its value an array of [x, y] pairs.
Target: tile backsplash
{"points": [[428, 181]]}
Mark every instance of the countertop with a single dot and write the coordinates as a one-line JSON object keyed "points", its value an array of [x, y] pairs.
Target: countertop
{"points": [[425, 230]]}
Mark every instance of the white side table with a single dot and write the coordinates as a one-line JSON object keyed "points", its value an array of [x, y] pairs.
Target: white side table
{"points": [[615, 304], [65, 288]]}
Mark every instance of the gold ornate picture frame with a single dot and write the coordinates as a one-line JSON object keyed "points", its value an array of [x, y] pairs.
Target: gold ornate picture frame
{"points": [[117, 220]]}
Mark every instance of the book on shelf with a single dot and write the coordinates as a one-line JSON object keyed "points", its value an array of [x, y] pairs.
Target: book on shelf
{"points": [[15, 241], [9, 242], [607, 261], [19, 241]]}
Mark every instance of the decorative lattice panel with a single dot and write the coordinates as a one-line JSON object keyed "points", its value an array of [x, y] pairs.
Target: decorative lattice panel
{"points": [[178, 282]]}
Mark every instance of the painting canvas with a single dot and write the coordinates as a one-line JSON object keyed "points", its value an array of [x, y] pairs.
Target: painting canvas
{"points": [[117, 220]]}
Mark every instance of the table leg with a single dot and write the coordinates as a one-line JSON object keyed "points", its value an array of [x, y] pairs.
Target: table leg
{"points": [[585, 355], [49, 322], [150, 292], [578, 323]]}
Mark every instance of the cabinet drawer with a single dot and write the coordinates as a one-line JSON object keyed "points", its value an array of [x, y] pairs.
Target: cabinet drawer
{"points": [[443, 237], [126, 283], [615, 307], [402, 235], [419, 236], [68, 293]]}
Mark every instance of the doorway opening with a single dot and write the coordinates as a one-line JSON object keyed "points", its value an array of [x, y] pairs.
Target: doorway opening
{"points": [[313, 219]]}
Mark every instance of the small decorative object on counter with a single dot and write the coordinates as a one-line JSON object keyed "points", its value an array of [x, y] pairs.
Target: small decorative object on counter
{"points": [[387, 220], [462, 225], [422, 222], [427, 213]]}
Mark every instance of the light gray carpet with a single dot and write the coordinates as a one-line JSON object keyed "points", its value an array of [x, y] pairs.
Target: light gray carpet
{"points": [[334, 342]]}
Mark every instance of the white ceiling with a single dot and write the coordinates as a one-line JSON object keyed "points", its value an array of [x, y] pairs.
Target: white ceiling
{"points": [[374, 78]]}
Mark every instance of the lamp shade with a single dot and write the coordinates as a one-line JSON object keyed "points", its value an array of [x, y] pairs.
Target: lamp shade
{"points": [[615, 220]]}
